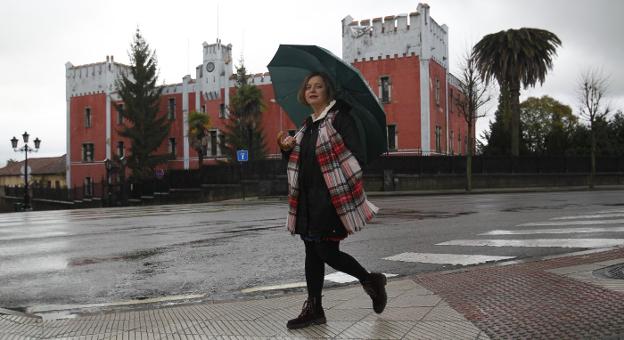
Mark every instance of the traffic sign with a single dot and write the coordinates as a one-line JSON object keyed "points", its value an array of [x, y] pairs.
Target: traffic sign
{"points": [[242, 155]]}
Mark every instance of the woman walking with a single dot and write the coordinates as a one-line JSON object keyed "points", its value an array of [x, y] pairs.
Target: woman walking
{"points": [[326, 196]]}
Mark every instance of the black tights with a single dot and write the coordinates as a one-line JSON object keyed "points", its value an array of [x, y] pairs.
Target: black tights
{"points": [[320, 252]]}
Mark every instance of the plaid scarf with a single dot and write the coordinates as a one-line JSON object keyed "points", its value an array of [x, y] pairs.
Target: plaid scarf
{"points": [[342, 174]]}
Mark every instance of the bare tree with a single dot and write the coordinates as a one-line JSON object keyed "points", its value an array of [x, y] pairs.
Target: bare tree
{"points": [[592, 87], [473, 96]]}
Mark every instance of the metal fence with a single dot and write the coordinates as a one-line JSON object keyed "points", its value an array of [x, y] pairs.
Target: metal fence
{"points": [[493, 165], [119, 193]]}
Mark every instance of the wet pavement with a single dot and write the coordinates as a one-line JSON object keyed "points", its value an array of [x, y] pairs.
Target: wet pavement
{"points": [[549, 298], [119, 258]]}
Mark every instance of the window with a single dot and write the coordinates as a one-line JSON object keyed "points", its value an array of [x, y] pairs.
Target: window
{"points": [[171, 109], [120, 149], [391, 137], [120, 108], [451, 143], [49, 185], [384, 89], [87, 152], [87, 120], [172, 147], [57, 184], [437, 91], [88, 187], [222, 110], [438, 139], [213, 143], [203, 108], [459, 149]]}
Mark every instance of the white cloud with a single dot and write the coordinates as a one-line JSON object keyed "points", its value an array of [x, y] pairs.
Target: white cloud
{"points": [[37, 37]]}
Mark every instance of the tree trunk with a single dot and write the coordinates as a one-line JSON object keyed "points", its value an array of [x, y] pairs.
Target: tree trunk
{"points": [[469, 161], [592, 170], [514, 97], [200, 155]]}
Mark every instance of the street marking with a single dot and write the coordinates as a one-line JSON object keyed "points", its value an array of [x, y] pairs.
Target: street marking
{"points": [[537, 224], [274, 287], [456, 259], [608, 215], [337, 277], [341, 277], [555, 231], [542, 243]]}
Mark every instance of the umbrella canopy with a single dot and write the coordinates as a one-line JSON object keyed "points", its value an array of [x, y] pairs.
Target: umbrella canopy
{"points": [[292, 63]]}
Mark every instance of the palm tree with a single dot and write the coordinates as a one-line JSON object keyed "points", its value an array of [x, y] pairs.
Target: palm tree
{"points": [[199, 123], [516, 57]]}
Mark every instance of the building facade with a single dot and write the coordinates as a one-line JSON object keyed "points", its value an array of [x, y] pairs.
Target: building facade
{"points": [[45, 172], [404, 58]]}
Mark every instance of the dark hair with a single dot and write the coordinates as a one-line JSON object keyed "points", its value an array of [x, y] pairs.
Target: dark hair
{"points": [[329, 85]]}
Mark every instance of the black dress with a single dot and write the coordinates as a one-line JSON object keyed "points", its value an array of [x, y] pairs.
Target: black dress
{"points": [[316, 216]]}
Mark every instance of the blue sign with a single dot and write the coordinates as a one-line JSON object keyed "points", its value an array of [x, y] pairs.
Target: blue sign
{"points": [[242, 155]]}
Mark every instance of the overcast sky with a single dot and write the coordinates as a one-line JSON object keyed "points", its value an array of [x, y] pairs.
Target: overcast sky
{"points": [[37, 38]]}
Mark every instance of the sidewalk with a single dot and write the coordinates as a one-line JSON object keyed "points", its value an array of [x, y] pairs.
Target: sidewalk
{"points": [[556, 298]]}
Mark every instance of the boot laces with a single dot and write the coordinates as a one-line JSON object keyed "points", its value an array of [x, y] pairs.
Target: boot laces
{"points": [[307, 308]]}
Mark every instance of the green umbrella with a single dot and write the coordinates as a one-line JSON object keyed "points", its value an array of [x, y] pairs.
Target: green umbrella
{"points": [[292, 63]]}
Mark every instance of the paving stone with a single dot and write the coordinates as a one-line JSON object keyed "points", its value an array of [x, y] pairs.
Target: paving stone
{"points": [[379, 329], [527, 301]]}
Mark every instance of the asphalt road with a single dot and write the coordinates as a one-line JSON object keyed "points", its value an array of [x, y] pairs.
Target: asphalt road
{"points": [[216, 250]]}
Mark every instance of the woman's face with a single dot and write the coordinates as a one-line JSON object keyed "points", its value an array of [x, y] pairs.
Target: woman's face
{"points": [[316, 91]]}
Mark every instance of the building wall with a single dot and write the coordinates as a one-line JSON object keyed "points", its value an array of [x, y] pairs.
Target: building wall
{"points": [[410, 49], [96, 134], [437, 108], [39, 180], [403, 110]]}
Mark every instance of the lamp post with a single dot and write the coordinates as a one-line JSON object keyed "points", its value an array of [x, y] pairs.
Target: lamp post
{"points": [[108, 164], [25, 149]]}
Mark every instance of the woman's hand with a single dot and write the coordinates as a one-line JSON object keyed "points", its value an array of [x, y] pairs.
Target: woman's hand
{"points": [[285, 142]]}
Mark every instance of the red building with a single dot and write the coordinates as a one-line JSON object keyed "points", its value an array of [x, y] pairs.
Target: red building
{"points": [[404, 58]]}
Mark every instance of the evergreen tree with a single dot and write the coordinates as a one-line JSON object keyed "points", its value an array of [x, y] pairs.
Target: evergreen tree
{"points": [[243, 129], [141, 98], [616, 134]]}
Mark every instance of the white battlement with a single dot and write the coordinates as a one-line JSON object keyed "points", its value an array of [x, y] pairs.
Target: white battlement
{"points": [[395, 36], [93, 78], [454, 81]]}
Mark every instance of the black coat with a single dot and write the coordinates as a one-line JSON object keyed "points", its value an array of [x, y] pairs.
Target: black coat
{"points": [[316, 216]]}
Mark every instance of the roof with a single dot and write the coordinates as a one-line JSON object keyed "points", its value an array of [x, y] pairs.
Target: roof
{"points": [[39, 166]]}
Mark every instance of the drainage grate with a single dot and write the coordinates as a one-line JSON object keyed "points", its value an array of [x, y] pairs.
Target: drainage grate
{"points": [[615, 271]]}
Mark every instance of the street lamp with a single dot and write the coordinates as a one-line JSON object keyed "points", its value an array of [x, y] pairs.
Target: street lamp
{"points": [[108, 164], [25, 149]]}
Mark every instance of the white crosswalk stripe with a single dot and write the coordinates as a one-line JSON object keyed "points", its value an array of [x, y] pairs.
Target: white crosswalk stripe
{"points": [[555, 231], [543, 243], [456, 259], [580, 217], [555, 223], [607, 221]]}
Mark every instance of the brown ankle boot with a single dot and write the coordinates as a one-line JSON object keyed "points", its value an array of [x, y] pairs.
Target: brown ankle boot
{"points": [[374, 285], [311, 314]]}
